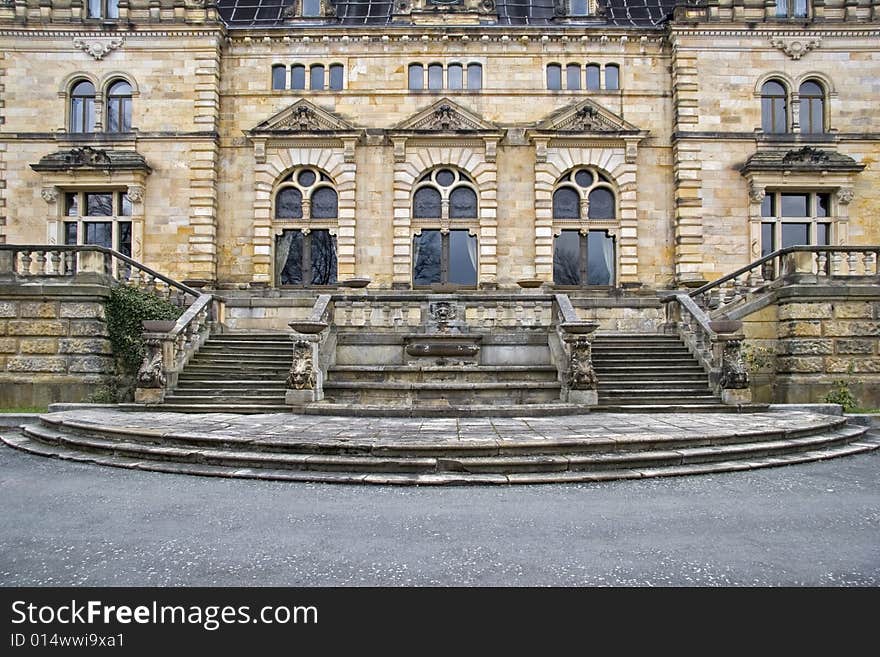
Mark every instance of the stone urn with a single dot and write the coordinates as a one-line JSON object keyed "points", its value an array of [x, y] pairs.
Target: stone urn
{"points": [[158, 325], [309, 327]]}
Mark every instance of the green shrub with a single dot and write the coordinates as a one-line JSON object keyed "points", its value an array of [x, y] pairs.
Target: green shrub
{"points": [[841, 394], [126, 309]]}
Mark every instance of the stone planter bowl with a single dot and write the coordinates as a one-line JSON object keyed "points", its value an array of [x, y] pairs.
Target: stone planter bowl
{"points": [[355, 282], [725, 325], [308, 327], [530, 283], [579, 328], [158, 325]]}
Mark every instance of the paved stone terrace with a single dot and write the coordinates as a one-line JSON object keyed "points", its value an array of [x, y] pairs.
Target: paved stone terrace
{"points": [[349, 431]]}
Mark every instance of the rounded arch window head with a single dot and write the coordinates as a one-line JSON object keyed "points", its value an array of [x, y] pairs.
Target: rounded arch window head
{"points": [[774, 107], [82, 106], [302, 187], [119, 106]]}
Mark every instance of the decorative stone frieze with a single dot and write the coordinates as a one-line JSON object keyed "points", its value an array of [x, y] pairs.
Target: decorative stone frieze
{"points": [[795, 48], [302, 370], [97, 49]]}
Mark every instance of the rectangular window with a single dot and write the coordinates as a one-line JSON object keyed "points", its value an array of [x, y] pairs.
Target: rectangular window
{"points": [[323, 257], [768, 206], [316, 78], [435, 77], [593, 77], [795, 234], [794, 205], [823, 205], [337, 77], [416, 77], [71, 204], [781, 8], [768, 238], [279, 77], [70, 232], [454, 76], [99, 233], [99, 205], [124, 239], [474, 77], [95, 9], [567, 258], [427, 255], [800, 8], [554, 77], [600, 258], [612, 77], [311, 8], [462, 258], [578, 7], [297, 77], [572, 76], [823, 234]]}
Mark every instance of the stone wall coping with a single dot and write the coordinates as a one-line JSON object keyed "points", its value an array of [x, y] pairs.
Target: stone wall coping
{"points": [[61, 291]]}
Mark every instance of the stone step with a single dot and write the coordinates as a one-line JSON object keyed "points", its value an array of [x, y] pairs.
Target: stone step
{"points": [[648, 370], [250, 384], [254, 369], [600, 360], [228, 361], [224, 389], [407, 393], [657, 391], [437, 409], [224, 399], [413, 373], [672, 406], [658, 380], [242, 408], [246, 348]]}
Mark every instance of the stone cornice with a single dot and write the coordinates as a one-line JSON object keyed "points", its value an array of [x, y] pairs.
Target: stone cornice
{"points": [[24, 33]]}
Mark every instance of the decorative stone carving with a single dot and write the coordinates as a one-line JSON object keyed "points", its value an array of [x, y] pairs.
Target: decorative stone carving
{"points": [[135, 193], [795, 48], [733, 369], [805, 155], [151, 373], [86, 157], [303, 119], [845, 195], [49, 194], [98, 49], [581, 375], [756, 193], [302, 371], [442, 313], [445, 118]]}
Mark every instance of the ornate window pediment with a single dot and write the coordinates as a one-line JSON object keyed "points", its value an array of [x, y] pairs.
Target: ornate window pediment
{"points": [[446, 116], [303, 117], [586, 116]]}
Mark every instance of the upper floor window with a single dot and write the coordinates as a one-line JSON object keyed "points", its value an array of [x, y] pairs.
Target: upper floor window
{"points": [[98, 217], [791, 8], [82, 107], [579, 7], [454, 76], [119, 107], [593, 77], [279, 77], [316, 77], [812, 107], [795, 219], [612, 77], [554, 77], [311, 8], [774, 107], [579, 77], [103, 8], [320, 77]]}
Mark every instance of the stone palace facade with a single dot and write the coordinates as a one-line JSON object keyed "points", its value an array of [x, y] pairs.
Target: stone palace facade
{"points": [[633, 144]]}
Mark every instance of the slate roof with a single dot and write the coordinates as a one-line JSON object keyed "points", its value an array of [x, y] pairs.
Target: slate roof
{"points": [[270, 13]]}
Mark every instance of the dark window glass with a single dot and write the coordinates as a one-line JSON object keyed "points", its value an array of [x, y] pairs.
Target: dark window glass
{"points": [[124, 246], [416, 77], [774, 107], [279, 77], [427, 248], [82, 107], [125, 205], [316, 77], [474, 76], [99, 205], [768, 206], [823, 205], [297, 77], [462, 203], [601, 204], [593, 76], [311, 8], [445, 177], [289, 256], [573, 76], [583, 178], [323, 257], [794, 205], [612, 77], [99, 233], [567, 258], [288, 204], [435, 76], [554, 77], [768, 238], [566, 203], [462, 258], [812, 108], [578, 7], [600, 258], [71, 204], [119, 107], [823, 234], [325, 203], [795, 234], [70, 232], [306, 178], [337, 77], [454, 76], [426, 203]]}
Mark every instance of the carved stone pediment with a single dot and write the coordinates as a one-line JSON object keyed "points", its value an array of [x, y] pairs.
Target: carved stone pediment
{"points": [[585, 117], [87, 157], [446, 116], [304, 117]]}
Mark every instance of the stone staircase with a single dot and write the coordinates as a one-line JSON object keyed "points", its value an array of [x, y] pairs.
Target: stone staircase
{"points": [[652, 372]]}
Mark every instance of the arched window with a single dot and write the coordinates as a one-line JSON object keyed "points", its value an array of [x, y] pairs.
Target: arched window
{"points": [[593, 77], [474, 77], [812, 96], [279, 77], [612, 77], [435, 76], [82, 107], [119, 107], [306, 256], [337, 77], [316, 77], [554, 77], [444, 255], [455, 76], [573, 76], [297, 76], [774, 107], [416, 77], [583, 251]]}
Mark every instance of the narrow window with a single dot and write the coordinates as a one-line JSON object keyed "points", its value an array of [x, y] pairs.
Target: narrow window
{"points": [[593, 77], [812, 108], [454, 76], [573, 76], [774, 107], [474, 76], [95, 9], [337, 76], [612, 77], [567, 258], [800, 8], [462, 203], [427, 256], [566, 203], [279, 77], [601, 202], [435, 76], [554, 77], [416, 77], [579, 7], [781, 8], [311, 8], [288, 204], [325, 203], [297, 76], [316, 77], [322, 254], [119, 107], [82, 107], [112, 8], [427, 203], [462, 258]]}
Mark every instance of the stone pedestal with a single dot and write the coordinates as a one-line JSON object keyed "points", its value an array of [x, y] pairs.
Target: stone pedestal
{"points": [[735, 396], [583, 397], [149, 395], [299, 397]]}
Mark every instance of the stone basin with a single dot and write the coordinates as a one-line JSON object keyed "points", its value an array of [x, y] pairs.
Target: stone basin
{"points": [[308, 327], [579, 327], [158, 325], [355, 282]]}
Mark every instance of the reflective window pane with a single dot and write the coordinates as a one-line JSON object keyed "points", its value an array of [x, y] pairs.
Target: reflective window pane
{"points": [[768, 238], [823, 205], [298, 77], [112, 8], [323, 256], [306, 178], [125, 205], [567, 258], [462, 258], [445, 177], [288, 204], [463, 203], [337, 77], [95, 9], [316, 77], [554, 77], [124, 245], [427, 248], [601, 204], [612, 77], [70, 232], [795, 234], [593, 76], [311, 8], [600, 258], [823, 234], [578, 7], [99, 205], [416, 77], [325, 203], [454, 76], [566, 203], [426, 203], [583, 178], [782, 8], [573, 76], [800, 8], [435, 76], [794, 205], [768, 206], [99, 233], [474, 76], [288, 257], [71, 204], [279, 77]]}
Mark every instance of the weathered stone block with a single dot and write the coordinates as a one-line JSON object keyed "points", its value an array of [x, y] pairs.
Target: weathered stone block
{"points": [[806, 347], [92, 364], [83, 346], [855, 346], [800, 365], [37, 327], [854, 365], [8, 309], [38, 346], [36, 364], [88, 328], [82, 310], [852, 329], [40, 309], [3, 324], [805, 311], [800, 328], [857, 310], [8, 345]]}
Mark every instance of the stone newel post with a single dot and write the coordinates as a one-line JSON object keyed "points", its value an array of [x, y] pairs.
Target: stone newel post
{"points": [[581, 381], [734, 378], [152, 375], [305, 380]]}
